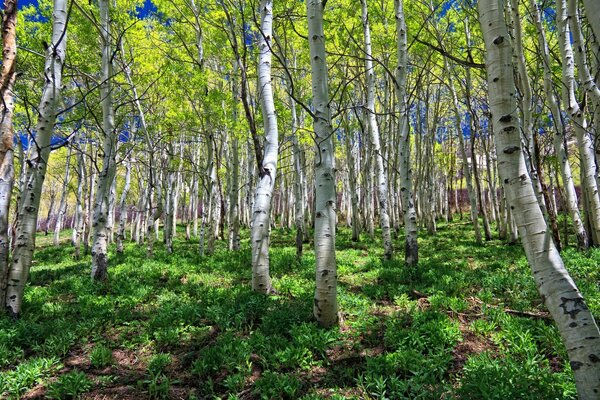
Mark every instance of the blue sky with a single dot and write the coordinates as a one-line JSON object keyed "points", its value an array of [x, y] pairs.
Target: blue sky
{"points": [[23, 3], [144, 11]]}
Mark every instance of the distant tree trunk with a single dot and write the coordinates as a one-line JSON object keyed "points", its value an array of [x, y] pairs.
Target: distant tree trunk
{"points": [[29, 200], [559, 293], [569, 192], [579, 45], [234, 189], [382, 187], [123, 207], [101, 223], [299, 189], [579, 123], [79, 228], [411, 248], [325, 302], [465, 161], [352, 183], [52, 193], [62, 208]]}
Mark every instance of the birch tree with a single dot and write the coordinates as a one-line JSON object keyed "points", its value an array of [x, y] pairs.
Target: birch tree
{"points": [[37, 162], [261, 214], [7, 171], [62, 207], [325, 303], [560, 129], [106, 176], [411, 250], [579, 123], [558, 291], [382, 186]]}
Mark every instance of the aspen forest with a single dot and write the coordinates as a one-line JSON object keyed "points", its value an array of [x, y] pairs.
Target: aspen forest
{"points": [[300, 199]]}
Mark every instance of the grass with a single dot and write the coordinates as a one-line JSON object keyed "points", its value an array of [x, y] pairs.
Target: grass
{"points": [[467, 323]]}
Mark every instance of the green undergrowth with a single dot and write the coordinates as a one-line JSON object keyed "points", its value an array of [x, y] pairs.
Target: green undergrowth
{"points": [[467, 323]]}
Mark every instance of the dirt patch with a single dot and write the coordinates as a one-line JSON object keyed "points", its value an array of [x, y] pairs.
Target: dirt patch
{"points": [[471, 344]]}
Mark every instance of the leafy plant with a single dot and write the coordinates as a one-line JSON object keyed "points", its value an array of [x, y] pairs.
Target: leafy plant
{"points": [[158, 363], [101, 356], [273, 385], [69, 386], [26, 375]]}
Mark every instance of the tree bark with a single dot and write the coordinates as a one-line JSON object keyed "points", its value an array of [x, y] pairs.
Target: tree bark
{"points": [[29, 200], [579, 123], [411, 247], [62, 207], [325, 302], [559, 293], [123, 207], [560, 133], [7, 170], [261, 214], [101, 223], [382, 188]]}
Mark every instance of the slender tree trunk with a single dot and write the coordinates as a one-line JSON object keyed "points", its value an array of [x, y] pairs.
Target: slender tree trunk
{"points": [[586, 150], [298, 187], [78, 229], [101, 224], [7, 170], [411, 247], [261, 214], [356, 226], [123, 207], [29, 200], [569, 192], [62, 208], [559, 293], [50, 213], [234, 189], [382, 187], [463, 151], [592, 11], [325, 302]]}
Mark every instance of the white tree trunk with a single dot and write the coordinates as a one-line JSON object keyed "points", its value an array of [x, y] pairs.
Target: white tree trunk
{"points": [[123, 206], [261, 214], [7, 170], [587, 80], [559, 293], [78, 229], [234, 189], [101, 223], [62, 207], [382, 188], [463, 152], [325, 302], [559, 137], [29, 200], [299, 197], [592, 11], [584, 142], [411, 247]]}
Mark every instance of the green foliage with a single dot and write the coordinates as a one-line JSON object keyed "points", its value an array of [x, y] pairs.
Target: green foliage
{"points": [[16, 382], [407, 333], [273, 385], [69, 386], [489, 377], [101, 356], [158, 363]]}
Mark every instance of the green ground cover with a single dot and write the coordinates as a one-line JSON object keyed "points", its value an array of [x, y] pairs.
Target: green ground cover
{"points": [[467, 323]]}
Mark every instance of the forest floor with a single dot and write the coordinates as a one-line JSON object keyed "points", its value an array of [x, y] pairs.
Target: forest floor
{"points": [[466, 323]]}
